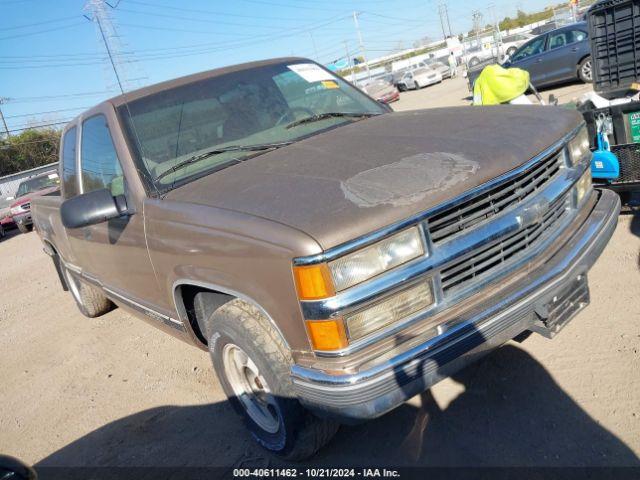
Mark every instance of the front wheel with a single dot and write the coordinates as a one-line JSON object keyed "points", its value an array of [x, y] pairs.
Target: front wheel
{"points": [[473, 62], [253, 366], [585, 70]]}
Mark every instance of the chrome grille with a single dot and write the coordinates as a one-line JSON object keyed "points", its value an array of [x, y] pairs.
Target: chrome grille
{"points": [[485, 205], [489, 260]]}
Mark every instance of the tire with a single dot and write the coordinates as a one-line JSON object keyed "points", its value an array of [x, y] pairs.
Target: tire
{"points": [[248, 354], [25, 228], [585, 70], [473, 62], [91, 302]]}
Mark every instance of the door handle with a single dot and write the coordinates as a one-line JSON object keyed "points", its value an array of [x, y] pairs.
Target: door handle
{"points": [[574, 49]]}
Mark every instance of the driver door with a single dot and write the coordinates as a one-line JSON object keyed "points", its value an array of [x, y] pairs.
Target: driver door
{"points": [[530, 57]]}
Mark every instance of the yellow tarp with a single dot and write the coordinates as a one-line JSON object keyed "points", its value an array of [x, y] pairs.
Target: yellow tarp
{"points": [[497, 85]]}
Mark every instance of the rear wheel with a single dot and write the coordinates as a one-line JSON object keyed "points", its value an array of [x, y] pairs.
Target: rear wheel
{"points": [[585, 70], [253, 366], [24, 228], [91, 301]]}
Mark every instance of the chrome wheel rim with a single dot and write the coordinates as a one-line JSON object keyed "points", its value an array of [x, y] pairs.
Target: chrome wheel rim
{"points": [[586, 70], [250, 388]]}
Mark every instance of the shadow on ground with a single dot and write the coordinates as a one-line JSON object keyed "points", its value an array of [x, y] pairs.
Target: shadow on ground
{"points": [[511, 413]]}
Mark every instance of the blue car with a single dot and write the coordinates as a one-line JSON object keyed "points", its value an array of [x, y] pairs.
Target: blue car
{"points": [[557, 56]]}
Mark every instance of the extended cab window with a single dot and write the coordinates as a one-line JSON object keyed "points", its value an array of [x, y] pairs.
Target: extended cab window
{"points": [[69, 169], [173, 132], [98, 159]]}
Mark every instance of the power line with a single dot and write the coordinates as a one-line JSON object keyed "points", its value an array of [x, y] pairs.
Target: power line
{"points": [[26, 25], [52, 124], [37, 114], [20, 35], [55, 97]]}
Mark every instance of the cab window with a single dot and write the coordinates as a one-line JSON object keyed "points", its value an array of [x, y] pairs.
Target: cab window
{"points": [[69, 168], [99, 161]]}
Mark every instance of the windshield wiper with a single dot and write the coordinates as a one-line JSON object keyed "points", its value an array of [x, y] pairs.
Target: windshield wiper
{"points": [[217, 151], [322, 116]]}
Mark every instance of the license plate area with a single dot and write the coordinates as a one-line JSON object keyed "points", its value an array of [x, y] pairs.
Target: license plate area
{"points": [[558, 310]]}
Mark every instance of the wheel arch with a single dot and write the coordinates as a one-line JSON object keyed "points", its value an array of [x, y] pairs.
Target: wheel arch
{"points": [[51, 250], [196, 301], [582, 59]]}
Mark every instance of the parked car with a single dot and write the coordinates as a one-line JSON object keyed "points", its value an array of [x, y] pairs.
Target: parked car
{"points": [[382, 91], [558, 56], [441, 67], [335, 258], [508, 44], [419, 78], [511, 43], [43, 184], [6, 220]]}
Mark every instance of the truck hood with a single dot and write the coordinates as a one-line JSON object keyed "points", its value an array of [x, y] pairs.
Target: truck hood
{"points": [[355, 179]]}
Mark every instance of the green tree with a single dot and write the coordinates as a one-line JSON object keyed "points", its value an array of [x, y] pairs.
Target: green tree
{"points": [[29, 149]]}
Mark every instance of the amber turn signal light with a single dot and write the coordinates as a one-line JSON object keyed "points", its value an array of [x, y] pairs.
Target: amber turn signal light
{"points": [[327, 335], [313, 282]]}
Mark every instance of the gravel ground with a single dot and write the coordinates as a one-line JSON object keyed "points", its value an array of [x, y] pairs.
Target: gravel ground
{"points": [[116, 392]]}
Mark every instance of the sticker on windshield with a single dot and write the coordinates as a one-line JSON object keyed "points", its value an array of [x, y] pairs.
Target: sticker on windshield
{"points": [[330, 84], [310, 72]]}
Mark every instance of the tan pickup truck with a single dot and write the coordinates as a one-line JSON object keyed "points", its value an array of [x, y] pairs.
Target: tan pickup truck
{"points": [[335, 258]]}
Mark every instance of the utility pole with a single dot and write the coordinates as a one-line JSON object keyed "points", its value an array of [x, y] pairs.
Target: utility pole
{"points": [[446, 13], [4, 100], [492, 11], [108, 34], [361, 43], [346, 48], [315, 49], [443, 12], [440, 13], [477, 24]]}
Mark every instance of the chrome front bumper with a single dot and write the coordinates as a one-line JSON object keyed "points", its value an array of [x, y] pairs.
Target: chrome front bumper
{"points": [[558, 285]]}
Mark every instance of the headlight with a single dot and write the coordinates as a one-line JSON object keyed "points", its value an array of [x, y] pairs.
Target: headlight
{"points": [[583, 186], [579, 147], [389, 311], [380, 257], [16, 211]]}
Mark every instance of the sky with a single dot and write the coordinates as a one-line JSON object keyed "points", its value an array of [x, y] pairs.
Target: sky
{"points": [[53, 63]]}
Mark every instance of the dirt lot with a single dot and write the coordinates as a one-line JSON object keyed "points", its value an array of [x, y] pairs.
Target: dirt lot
{"points": [[116, 392]]}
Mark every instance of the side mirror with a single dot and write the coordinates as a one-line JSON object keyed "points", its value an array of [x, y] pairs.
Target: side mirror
{"points": [[92, 208]]}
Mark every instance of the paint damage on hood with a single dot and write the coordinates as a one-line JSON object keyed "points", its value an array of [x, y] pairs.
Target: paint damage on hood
{"points": [[409, 180]]}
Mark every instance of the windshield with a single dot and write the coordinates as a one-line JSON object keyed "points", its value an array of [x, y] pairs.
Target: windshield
{"points": [[38, 183], [247, 108]]}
